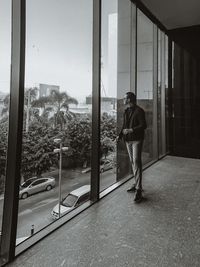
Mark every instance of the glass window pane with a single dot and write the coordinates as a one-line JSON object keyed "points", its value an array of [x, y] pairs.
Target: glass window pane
{"points": [[145, 72], [57, 108], [117, 78], [5, 61]]}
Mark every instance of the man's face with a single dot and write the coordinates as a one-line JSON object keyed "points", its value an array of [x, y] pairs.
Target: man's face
{"points": [[126, 99]]}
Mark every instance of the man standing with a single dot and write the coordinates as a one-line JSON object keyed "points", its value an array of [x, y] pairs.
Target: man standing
{"points": [[132, 132]]}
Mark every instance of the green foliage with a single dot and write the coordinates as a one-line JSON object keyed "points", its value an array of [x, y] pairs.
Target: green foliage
{"points": [[38, 142], [108, 127], [37, 150], [79, 137], [3, 152], [58, 103], [108, 134]]}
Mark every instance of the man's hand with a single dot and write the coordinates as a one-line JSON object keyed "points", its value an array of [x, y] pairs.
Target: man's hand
{"points": [[127, 131]]}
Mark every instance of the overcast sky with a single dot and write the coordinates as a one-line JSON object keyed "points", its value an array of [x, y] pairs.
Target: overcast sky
{"points": [[58, 44]]}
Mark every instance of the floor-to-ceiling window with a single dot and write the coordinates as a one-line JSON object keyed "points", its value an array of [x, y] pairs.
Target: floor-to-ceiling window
{"points": [[109, 47], [117, 78], [56, 151], [57, 121], [146, 82], [5, 61]]}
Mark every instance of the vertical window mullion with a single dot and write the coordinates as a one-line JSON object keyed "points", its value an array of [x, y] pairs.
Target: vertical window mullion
{"points": [[136, 48], [10, 214], [163, 75], [96, 97]]}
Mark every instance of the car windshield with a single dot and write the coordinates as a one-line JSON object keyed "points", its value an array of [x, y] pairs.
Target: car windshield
{"points": [[27, 183], [69, 201], [103, 162]]}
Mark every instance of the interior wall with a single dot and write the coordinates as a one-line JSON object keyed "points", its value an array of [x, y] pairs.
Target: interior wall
{"points": [[185, 104], [187, 38]]}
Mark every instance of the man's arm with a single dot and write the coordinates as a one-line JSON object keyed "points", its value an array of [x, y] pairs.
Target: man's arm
{"points": [[119, 137], [142, 121]]}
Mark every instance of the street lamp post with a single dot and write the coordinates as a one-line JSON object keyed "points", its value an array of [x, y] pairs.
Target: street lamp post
{"points": [[59, 150]]}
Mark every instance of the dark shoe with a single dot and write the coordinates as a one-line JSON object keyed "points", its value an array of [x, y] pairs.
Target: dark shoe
{"points": [[131, 189], [138, 195]]}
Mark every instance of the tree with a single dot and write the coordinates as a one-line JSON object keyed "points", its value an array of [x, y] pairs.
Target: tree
{"points": [[108, 134], [79, 137], [107, 144], [38, 142], [108, 127], [29, 96], [37, 150], [3, 152], [58, 103]]}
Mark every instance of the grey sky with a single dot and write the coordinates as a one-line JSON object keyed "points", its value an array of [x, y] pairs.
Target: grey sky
{"points": [[5, 44], [58, 44]]}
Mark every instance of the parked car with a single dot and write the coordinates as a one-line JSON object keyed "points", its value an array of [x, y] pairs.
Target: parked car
{"points": [[71, 201], [105, 164], [34, 185]]}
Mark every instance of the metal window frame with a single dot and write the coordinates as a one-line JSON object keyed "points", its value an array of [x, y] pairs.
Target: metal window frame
{"points": [[155, 148], [149, 14], [136, 48], [96, 101], [9, 223]]}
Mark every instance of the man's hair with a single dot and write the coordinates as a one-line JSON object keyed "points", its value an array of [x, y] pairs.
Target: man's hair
{"points": [[131, 96]]}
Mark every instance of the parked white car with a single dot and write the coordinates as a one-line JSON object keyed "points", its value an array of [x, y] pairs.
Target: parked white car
{"points": [[35, 185], [71, 201]]}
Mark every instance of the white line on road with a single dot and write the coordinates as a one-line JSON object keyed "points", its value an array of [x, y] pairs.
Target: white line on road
{"points": [[44, 203], [40, 204], [25, 212], [75, 184]]}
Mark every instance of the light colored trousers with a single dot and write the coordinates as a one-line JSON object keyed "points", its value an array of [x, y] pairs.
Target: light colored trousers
{"points": [[134, 149]]}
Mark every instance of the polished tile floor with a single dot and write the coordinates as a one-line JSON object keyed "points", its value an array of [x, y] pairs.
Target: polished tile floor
{"points": [[163, 230]]}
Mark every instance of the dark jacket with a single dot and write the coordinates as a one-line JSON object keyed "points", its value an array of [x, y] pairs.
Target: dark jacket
{"points": [[134, 118]]}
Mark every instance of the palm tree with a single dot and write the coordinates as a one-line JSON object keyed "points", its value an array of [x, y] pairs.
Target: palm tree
{"points": [[58, 103], [29, 96]]}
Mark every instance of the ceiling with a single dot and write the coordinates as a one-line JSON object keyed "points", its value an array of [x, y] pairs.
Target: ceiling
{"points": [[175, 13]]}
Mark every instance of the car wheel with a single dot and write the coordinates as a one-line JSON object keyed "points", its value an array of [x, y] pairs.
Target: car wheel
{"points": [[49, 187], [24, 195]]}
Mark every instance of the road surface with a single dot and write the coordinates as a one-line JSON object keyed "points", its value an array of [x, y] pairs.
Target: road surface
{"points": [[36, 209]]}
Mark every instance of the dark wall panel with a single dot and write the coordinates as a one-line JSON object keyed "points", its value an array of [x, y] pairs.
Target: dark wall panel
{"points": [[187, 38], [186, 104]]}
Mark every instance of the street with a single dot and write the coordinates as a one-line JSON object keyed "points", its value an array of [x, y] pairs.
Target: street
{"points": [[36, 209]]}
